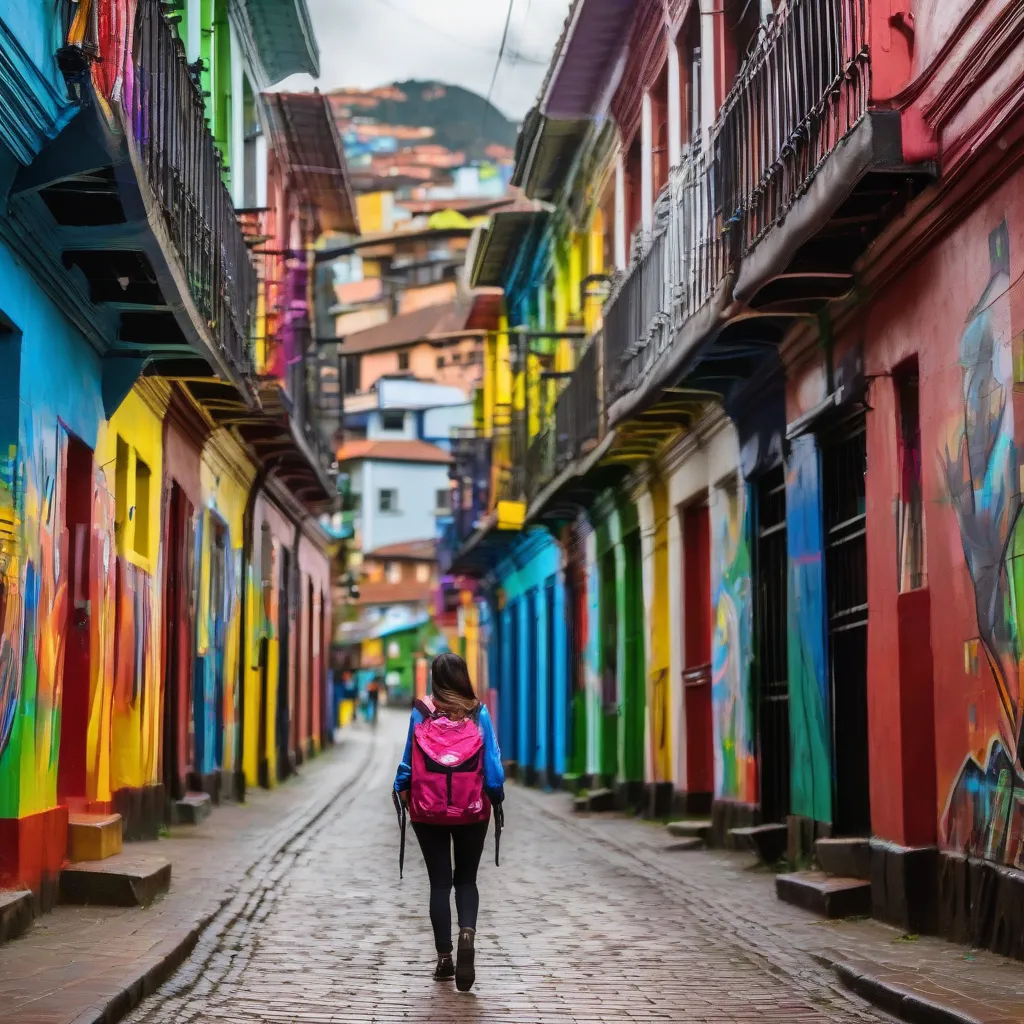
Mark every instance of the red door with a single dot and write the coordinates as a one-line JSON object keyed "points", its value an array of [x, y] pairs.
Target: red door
{"points": [[700, 770], [75, 519]]}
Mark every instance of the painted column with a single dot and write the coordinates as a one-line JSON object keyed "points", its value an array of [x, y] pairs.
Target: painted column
{"points": [[647, 163], [621, 247], [675, 95]]}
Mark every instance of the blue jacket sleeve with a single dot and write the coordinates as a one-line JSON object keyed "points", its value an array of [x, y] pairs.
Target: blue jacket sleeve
{"points": [[494, 772], [403, 777]]}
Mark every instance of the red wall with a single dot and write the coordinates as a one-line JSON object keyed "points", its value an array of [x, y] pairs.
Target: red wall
{"points": [[956, 309]]}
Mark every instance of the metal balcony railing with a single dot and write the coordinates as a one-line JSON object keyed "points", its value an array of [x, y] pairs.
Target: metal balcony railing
{"points": [[471, 474], [184, 169], [578, 411], [803, 87]]}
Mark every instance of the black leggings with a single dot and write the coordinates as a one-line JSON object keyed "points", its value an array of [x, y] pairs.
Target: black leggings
{"points": [[436, 842]]}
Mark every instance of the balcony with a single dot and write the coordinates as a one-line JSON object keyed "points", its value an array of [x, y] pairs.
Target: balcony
{"points": [[125, 219], [766, 216]]}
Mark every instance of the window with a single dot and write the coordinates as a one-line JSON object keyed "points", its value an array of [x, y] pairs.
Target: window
{"points": [[440, 362], [387, 500], [392, 419], [403, 360], [393, 572], [444, 500], [456, 357], [351, 370], [143, 479], [423, 573]]}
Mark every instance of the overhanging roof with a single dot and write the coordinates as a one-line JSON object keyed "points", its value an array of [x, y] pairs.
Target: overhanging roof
{"points": [[500, 244], [547, 148], [306, 137], [586, 59], [285, 41]]}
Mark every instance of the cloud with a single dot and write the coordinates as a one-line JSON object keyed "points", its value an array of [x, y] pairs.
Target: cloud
{"points": [[364, 43]]}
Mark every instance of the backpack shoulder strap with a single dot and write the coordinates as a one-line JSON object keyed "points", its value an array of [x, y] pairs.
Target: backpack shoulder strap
{"points": [[425, 706]]}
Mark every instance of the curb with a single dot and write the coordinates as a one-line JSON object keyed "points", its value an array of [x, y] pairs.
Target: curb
{"points": [[150, 972], [893, 998]]}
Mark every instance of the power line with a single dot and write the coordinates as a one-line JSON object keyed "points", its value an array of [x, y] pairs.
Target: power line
{"points": [[497, 66]]}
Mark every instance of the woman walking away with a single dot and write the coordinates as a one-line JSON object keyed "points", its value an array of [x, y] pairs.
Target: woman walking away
{"points": [[449, 779]]}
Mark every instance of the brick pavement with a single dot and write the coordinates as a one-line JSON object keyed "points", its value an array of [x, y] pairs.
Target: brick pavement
{"points": [[88, 964], [571, 930], [588, 920]]}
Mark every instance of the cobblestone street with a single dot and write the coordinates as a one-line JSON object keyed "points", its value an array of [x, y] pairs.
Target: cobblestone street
{"points": [[573, 928]]}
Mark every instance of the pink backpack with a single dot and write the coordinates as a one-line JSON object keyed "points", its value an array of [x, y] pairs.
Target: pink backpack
{"points": [[447, 786]]}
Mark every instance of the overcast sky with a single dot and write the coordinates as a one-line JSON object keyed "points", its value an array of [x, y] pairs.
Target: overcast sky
{"points": [[364, 43]]}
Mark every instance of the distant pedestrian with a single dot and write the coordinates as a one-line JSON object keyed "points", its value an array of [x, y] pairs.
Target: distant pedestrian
{"points": [[449, 779], [373, 700]]}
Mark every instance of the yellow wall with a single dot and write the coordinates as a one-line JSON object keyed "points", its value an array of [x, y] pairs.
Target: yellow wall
{"points": [[375, 211], [125, 748]]}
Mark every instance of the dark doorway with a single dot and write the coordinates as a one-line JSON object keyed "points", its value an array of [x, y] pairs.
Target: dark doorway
{"points": [[549, 689], [634, 697], [609, 627], [178, 720], [770, 639], [266, 590], [574, 763], [75, 518], [530, 687], [844, 465], [700, 751], [312, 687], [284, 765]]}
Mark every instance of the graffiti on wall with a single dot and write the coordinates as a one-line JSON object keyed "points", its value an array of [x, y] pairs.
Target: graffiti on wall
{"points": [[983, 814], [810, 734], [731, 692]]}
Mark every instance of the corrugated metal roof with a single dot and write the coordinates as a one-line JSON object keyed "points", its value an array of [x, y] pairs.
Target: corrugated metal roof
{"points": [[284, 36]]}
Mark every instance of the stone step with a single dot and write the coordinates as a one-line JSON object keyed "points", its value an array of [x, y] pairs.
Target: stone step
{"points": [[848, 858], [683, 845], [193, 808], [132, 879], [690, 828], [827, 895], [595, 801], [94, 836], [15, 913], [767, 841]]}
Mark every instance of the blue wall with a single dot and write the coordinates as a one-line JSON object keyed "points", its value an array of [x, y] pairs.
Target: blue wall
{"points": [[529, 578]]}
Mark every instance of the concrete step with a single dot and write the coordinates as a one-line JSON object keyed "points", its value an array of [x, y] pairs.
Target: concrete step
{"points": [[683, 845], [827, 895], [130, 879], [690, 828], [848, 858], [767, 841], [193, 808], [94, 836], [595, 801], [15, 913]]}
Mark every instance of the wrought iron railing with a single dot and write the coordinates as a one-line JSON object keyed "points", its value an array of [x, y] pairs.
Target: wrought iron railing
{"points": [[184, 171], [803, 87], [578, 411], [470, 473], [683, 263]]}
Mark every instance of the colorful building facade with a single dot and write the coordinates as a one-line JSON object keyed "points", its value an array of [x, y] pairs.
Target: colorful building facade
{"points": [[141, 446], [774, 436]]}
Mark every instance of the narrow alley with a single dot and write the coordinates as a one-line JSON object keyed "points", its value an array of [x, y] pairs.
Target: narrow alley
{"points": [[572, 929]]}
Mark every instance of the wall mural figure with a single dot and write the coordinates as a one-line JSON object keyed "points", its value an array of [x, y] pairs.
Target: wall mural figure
{"points": [[733, 715], [10, 599], [983, 814]]}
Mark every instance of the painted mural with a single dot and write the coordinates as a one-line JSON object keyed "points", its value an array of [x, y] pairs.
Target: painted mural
{"points": [[809, 715], [731, 692], [984, 813]]}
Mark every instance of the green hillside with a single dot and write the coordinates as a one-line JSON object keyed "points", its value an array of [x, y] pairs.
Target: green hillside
{"points": [[457, 116]]}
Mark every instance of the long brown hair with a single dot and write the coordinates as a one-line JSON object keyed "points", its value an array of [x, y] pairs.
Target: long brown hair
{"points": [[451, 687]]}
